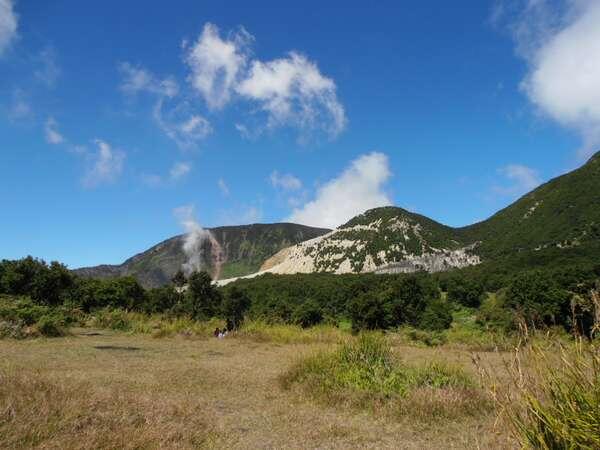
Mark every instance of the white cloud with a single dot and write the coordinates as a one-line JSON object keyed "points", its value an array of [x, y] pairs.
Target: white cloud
{"points": [[522, 180], [136, 79], [223, 187], [286, 181], [48, 71], [292, 91], [105, 166], [561, 43], [8, 24], [358, 188], [216, 64], [179, 170], [51, 131], [177, 119], [182, 126]]}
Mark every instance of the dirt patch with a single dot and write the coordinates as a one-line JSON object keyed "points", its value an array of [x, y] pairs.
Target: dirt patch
{"points": [[117, 347]]}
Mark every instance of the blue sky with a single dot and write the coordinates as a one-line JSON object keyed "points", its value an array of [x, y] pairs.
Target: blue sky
{"points": [[115, 115]]}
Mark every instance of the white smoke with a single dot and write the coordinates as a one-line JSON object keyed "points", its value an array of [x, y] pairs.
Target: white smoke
{"points": [[194, 244], [194, 240]]}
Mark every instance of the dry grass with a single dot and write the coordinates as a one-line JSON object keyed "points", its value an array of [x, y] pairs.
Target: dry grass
{"points": [[40, 412], [291, 334], [116, 390]]}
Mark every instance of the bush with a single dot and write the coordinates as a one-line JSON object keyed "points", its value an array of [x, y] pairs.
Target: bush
{"points": [[370, 312], [202, 300], [364, 373], [437, 316], [234, 306], [50, 326], [307, 315], [465, 291], [429, 338], [539, 300], [113, 319], [493, 315]]}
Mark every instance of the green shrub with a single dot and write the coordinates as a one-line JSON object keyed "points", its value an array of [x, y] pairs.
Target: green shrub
{"points": [[365, 373], [307, 315], [437, 316], [539, 300], [113, 319], [370, 312], [50, 326], [494, 315], [465, 291], [234, 306]]}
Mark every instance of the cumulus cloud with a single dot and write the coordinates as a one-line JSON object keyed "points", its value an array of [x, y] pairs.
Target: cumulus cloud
{"points": [[358, 188], [285, 92], [8, 24], [105, 165], [560, 40], [287, 182], [223, 187], [292, 91], [53, 136], [217, 63], [522, 179]]}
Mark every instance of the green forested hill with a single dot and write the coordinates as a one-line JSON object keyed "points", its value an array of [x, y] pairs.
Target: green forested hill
{"points": [[557, 223], [562, 213]]}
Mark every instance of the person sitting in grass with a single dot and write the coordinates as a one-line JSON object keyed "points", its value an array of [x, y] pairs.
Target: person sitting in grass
{"points": [[217, 332]]}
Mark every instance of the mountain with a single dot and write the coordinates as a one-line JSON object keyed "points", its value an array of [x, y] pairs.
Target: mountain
{"points": [[387, 239], [556, 223], [562, 213], [242, 250], [560, 219]]}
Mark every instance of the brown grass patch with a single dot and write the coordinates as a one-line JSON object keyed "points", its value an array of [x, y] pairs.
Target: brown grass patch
{"points": [[36, 412]]}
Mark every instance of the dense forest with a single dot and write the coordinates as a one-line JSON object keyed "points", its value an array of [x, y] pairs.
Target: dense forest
{"points": [[33, 291]]}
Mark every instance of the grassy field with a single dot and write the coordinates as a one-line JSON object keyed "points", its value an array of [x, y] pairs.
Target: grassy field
{"points": [[106, 389]]}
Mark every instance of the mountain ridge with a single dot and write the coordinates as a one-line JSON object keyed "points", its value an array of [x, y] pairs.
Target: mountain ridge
{"points": [[563, 213], [245, 247]]}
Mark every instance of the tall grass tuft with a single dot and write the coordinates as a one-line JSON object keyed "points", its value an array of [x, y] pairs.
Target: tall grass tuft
{"points": [[554, 400], [364, 373]]}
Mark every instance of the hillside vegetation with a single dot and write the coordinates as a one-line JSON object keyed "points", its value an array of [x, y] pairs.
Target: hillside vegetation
{"points": [[557, 222]]}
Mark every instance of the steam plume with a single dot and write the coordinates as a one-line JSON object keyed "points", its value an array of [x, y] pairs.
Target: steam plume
{"points": [[195, 244]]}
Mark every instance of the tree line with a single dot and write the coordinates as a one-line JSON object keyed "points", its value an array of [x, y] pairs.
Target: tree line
{"points": [[536, 298]]}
